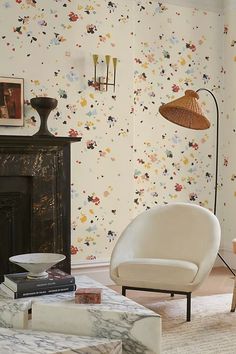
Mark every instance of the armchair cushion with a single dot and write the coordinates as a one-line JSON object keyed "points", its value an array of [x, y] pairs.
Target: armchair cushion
{"points": [[157, 271]]}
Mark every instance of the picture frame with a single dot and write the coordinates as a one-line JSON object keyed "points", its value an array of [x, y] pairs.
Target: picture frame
{"points": [[11, 101]]}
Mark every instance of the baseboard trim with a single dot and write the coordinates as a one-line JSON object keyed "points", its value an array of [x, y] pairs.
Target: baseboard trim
{"points": [[90, 264], [97, 270]]}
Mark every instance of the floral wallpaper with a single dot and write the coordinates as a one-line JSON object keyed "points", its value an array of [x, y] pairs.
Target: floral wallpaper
{"points": [[227, 205], [129, 158]]}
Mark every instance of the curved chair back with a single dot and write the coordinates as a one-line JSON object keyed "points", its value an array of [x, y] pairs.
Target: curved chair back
{"points": [[174, 231], [179, 231]]}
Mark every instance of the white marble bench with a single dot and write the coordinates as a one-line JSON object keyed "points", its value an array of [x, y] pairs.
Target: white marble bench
{"points": [[116, 318], [31, 342]]}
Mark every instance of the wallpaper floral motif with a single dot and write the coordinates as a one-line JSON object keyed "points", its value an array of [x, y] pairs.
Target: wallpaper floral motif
{"points": [[129, 158]]}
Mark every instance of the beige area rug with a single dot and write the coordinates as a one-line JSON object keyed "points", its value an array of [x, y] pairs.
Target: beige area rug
{"points": [[212, 328]]}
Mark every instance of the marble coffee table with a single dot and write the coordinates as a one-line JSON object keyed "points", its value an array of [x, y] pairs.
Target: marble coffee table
{"points": [[116, 318], [31, 342]]}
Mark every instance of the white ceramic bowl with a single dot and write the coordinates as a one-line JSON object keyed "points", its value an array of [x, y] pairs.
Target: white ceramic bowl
{"points": [[37, 263]]}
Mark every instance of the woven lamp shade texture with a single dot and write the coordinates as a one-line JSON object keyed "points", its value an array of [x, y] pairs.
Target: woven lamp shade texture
{"points": [[185, 111]]}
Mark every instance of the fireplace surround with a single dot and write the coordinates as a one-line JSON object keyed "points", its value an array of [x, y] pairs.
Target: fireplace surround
{"points": [[34, 197]]}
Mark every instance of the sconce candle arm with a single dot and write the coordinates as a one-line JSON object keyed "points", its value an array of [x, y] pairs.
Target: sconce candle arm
{"points": [[114, 82], [95, 73], [114, 73], [107, 77], [107, 57]]}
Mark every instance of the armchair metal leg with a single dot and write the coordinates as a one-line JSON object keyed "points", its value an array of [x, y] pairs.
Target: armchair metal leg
{"points": [[171, 292], [124, 290], [188, 307]]}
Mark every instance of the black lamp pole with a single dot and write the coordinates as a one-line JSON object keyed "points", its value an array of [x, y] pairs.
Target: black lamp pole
{"points": [[217, 158]]}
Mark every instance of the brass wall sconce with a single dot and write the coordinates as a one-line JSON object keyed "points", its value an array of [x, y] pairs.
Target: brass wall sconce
{"points": [[101, 83]]}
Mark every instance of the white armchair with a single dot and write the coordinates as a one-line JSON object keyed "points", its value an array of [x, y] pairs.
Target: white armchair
{"points": [[170, 248]]}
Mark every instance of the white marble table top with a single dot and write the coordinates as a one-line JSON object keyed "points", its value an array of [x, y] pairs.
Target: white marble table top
{"points": [[110, 300], [32, 342], [117, 317]]}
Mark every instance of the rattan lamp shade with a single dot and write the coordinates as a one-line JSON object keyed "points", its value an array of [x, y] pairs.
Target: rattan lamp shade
{"points": [[185, 111]]}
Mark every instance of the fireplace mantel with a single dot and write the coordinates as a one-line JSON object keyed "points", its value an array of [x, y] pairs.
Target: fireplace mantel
{"points": [[36, 140], [34, 197]]}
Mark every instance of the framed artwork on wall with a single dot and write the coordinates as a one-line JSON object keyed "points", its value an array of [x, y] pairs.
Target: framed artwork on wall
{"points": [[11, 101]]}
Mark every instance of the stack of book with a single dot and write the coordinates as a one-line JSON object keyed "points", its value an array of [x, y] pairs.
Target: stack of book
{"points": [[17, 285]]}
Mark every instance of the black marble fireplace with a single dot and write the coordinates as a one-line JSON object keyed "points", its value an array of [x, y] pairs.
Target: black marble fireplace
{"points": [[34, 197]]}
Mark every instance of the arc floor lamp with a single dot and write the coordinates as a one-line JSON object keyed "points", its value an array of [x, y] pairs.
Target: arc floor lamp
{"points": [[186, 112]]}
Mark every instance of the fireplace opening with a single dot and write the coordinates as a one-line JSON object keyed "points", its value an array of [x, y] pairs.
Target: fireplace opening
{"points": [[15, 219]]}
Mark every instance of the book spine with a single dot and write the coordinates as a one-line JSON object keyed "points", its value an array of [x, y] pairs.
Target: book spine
{"points": [[52, 290], [28, 286]]}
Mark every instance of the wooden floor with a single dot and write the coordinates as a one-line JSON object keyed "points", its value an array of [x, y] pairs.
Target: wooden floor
{"points": [[220, 281]]}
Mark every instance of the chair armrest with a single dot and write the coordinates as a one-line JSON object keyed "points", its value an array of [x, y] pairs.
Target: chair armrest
{"points": [[123, 251]]}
